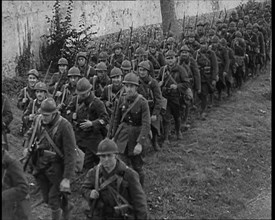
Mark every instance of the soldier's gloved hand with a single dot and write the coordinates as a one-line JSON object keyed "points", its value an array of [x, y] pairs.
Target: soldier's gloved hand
{"points": [[31, 117], [65, 185], [153, 118], [107, 104], [58, 93], [173, 86], [86, 124], [137, 149], [94, 194], [60, 106], [25, 100]]}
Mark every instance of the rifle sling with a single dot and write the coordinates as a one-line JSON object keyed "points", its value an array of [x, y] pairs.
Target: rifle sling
{"points": [[130, 108]]}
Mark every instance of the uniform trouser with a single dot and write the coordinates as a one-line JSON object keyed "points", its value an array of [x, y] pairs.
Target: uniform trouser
{"points": [[174, 110], [16, 210], [203, 95], [136, 162], [49, 181]]}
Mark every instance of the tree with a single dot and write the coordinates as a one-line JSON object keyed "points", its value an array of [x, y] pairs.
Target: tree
{"points": [[168, 15]]}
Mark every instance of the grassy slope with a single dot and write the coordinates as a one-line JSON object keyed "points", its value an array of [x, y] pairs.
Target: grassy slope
{"points": [[221, 164]]}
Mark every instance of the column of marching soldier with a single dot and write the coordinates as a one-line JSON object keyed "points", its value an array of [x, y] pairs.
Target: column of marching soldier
{"points": [[113, 108]]}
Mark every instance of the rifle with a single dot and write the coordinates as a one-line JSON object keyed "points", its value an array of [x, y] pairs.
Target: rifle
{"points": [[130, 42], [58, 84], [183, 23], [164, 44], [118, 37], [225, 15], [196, 21], [212, 20], [47, 73], [148, 40], [188, 25], [220, 14]]}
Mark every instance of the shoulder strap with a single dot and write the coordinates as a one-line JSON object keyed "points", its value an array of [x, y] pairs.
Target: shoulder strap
{"points": [[33, 105], [88, 71], [25, 92], [130, 107], [109, 91]]}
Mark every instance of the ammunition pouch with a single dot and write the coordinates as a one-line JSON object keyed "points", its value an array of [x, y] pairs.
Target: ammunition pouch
{"points": [[42, 159]]}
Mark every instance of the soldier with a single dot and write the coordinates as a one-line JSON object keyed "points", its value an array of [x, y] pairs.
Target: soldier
{"points": [[104, 57], [93, 54], [231, 32], [53, 160], [219, 25], [149, 88], [233, 17], [200, 31], [142, 55], [15, 189], [252, 48], [82, 64], [68, 90], [187, 61], [113, 91], [100, 80], [211, 33], [171, 44], [26, 95], [206, 27], [112, 189], [239, 48], [132, 126], [7, 118], [223, 64], [89, 118], [223, 33], [192, 44], [208, 66], [126, 67], [59, 78], [231, 70], [174, 82], [246, 20], [117, 57], [156, 57], [32, 109], [240, 26], [261, 49]]}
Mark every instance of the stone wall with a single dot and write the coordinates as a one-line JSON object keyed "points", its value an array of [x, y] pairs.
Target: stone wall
{"points": [[23, 22]]}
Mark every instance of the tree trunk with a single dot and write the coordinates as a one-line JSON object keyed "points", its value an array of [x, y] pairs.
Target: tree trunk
{"points": [[168, 15]]}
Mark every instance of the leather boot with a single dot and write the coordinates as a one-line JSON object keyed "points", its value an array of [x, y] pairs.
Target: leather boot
{"points": [[67, 211], [155, 143], [166, 141], [56, 214]]}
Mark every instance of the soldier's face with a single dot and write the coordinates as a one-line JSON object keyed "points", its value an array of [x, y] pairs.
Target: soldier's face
{"points": [[117, 51], [152, 49], [62, 68], [81, 61], [142, 72], [73, 80], [214, 45], [255, 30], [108, 161], [125, 71], [40, 95], [32, 80], [204, 46], [47, 118], [170, 60], [191, 39], [200, 29], [246, 20], [82, 97], [116, 80], [100, 74], [249, 31], [184, 54], [130, 89]]}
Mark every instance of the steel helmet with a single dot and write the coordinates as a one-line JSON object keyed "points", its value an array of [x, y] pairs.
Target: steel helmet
{"points": [[41, 86], [62, 61], [74, 71], [234, 12], [153, 43], [83, 86], [48, 106], [170, 53], [140, 51], [203, 40], [219, 21], [101, 67], [232, 24], [117, 45], [126, 65], [131, 78], [184, 48], [212, 32], [145, 65], [91, 45], [82, 54], [249, 26], [255, 26], [103, 55], [115, 72], [107, 146], [200, 23], [223, 42], [224, 25], [238, 34], [170, 40], [215, 39], [33, 72], [192, 34]]}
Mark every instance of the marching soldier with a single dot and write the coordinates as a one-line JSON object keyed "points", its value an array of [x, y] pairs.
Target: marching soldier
{"points": [[223, 33], [231, 32], [223, 64], [7, 118], [246, 20], [68, 90], [93, 54], [208, 66], [59, 78], [117, 57], [103, 57], [191, 43], [82, 64], [261, 51], [53, 159], [156, 57], [233, 17], [132, 126], [200, 31], [26, 95], [89, 118], [174, 83], [15, 189], [149, 89], [187, 61], [126, 67], [112, 189], [100, 80], [41, 92]]}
